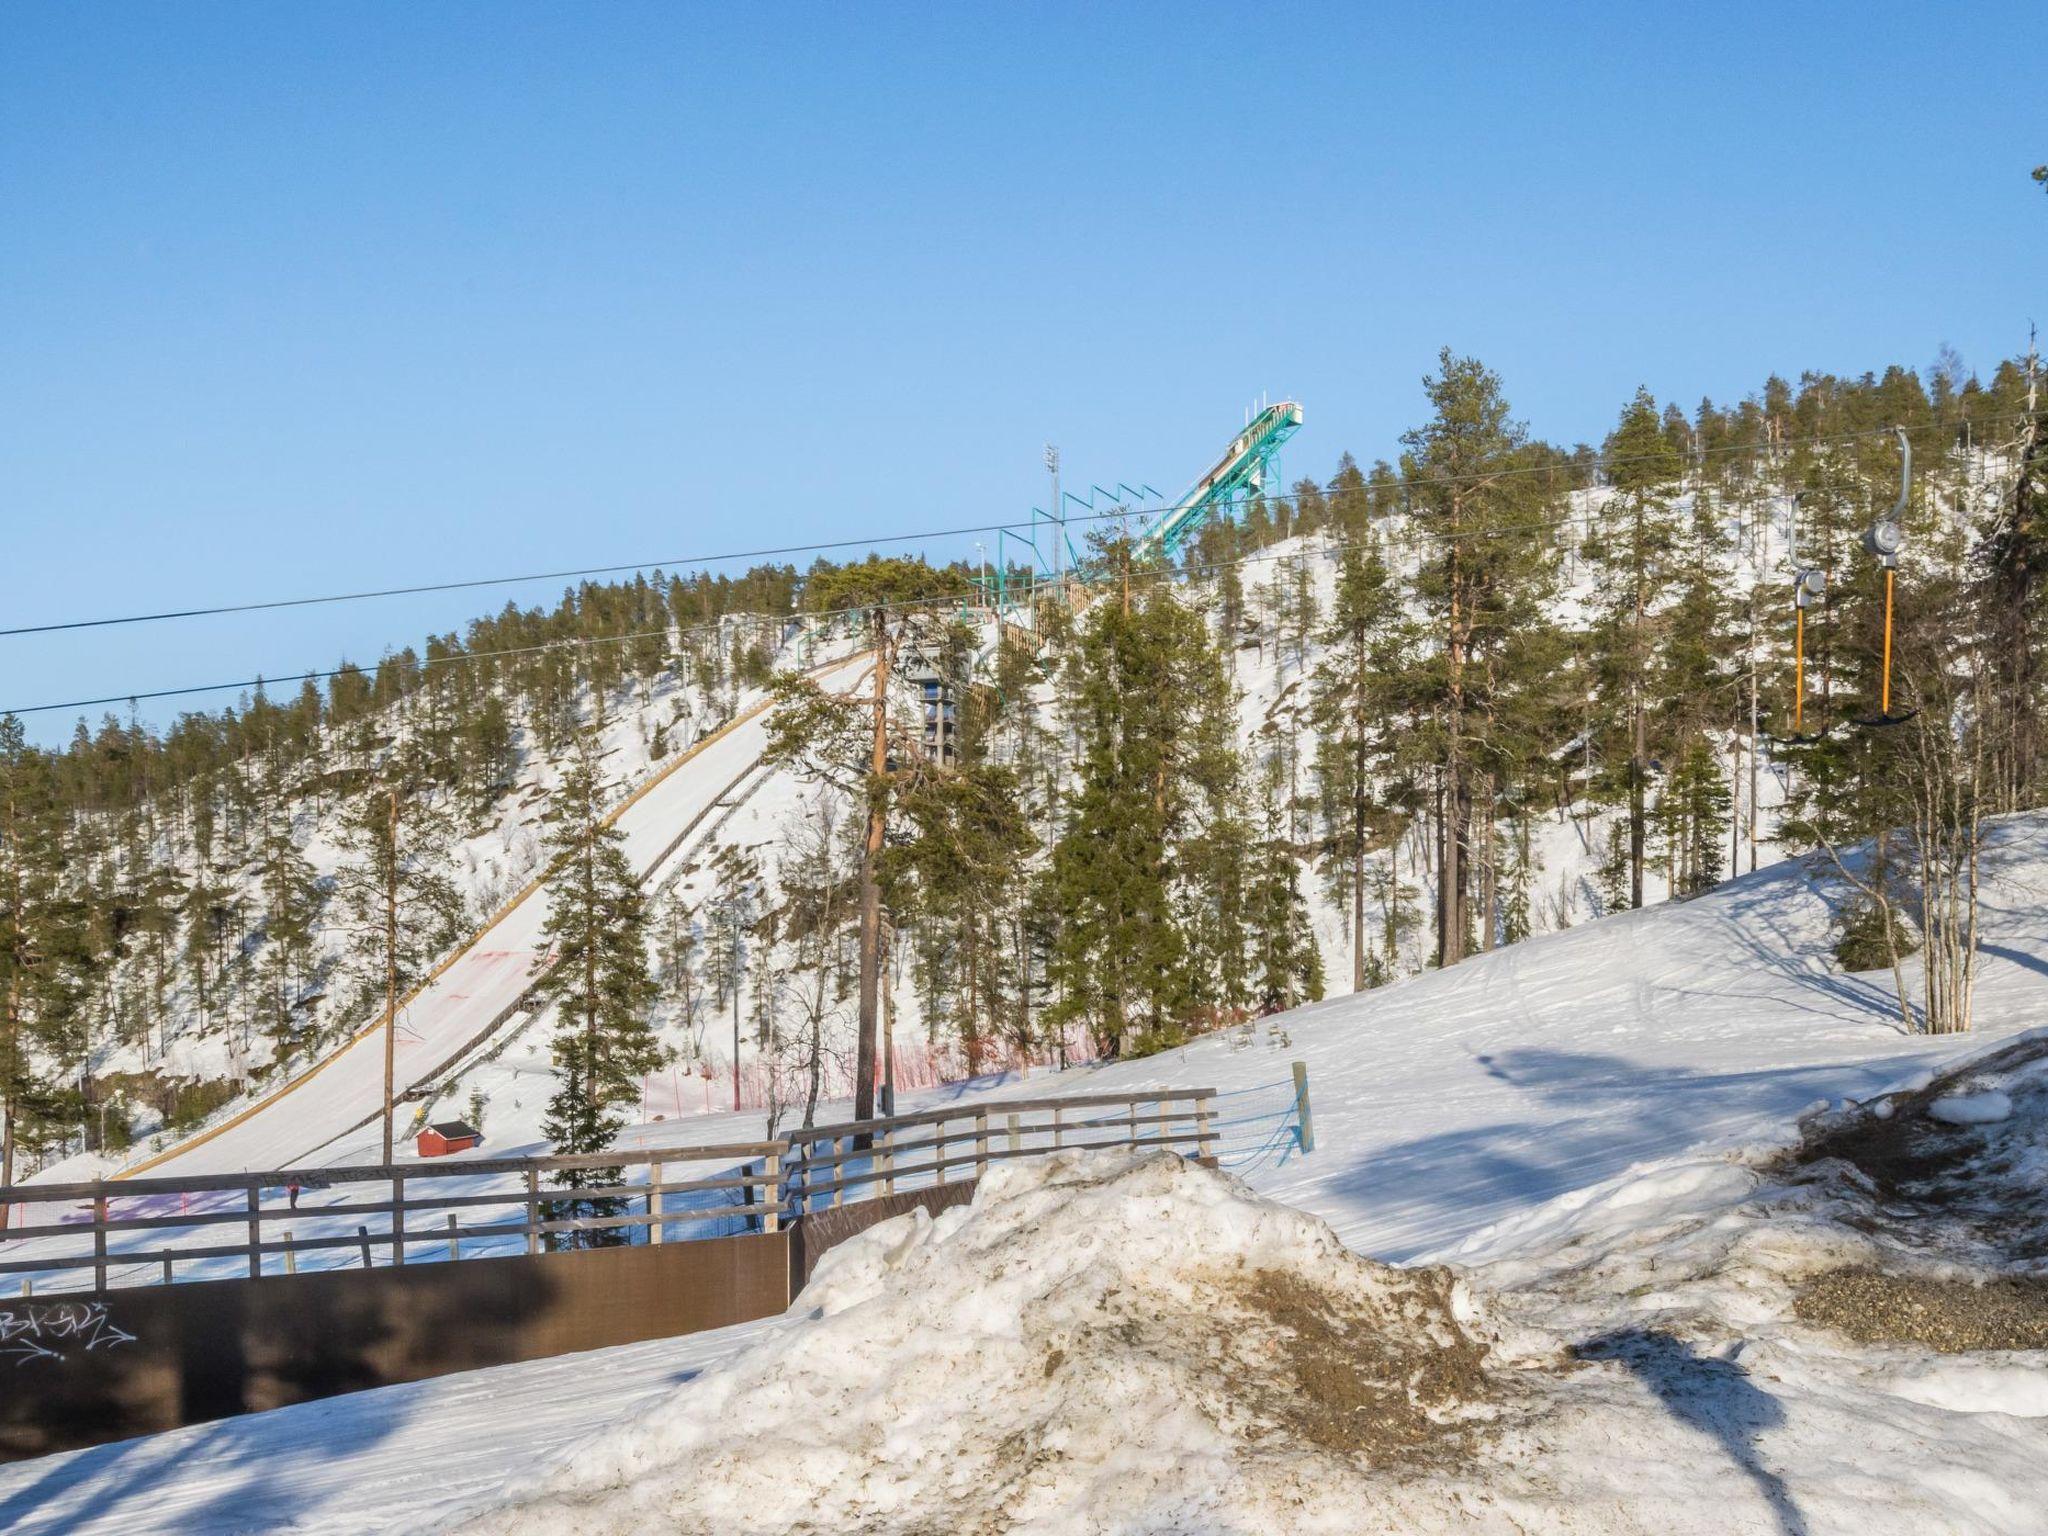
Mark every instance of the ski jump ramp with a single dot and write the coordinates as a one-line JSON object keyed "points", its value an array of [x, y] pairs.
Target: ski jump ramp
{"points": [[477, 988]]}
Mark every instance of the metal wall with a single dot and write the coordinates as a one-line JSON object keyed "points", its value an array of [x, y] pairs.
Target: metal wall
{"points": [[78, 1371], [818, 1231]]}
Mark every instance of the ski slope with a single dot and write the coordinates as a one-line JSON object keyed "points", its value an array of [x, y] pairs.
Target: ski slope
{"points": [[472, 992]]}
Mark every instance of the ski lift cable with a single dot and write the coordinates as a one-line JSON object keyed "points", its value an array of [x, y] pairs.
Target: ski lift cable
{"points": [[937, 600], [823, 546]]}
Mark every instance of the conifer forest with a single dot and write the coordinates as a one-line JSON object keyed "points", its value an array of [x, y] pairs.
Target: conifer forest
{"points": [[1410, 710]]}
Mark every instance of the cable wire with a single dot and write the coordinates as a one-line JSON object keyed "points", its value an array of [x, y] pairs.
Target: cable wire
{"points": [[975, 593], [1561, 466]]}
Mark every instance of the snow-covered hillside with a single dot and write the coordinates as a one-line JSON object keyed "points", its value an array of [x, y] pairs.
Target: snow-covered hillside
{"points": [[1843, 1332], [721, 1032]]}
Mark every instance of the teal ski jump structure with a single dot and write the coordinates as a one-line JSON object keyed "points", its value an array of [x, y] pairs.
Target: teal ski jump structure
{"points": [[1234, 479], [1242, 472]]}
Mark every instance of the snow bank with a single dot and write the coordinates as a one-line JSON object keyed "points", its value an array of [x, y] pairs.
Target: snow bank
{"points": [[1132, 1344], [1123, 1343]]}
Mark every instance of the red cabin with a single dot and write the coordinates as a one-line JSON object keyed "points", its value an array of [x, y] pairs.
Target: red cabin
{"points": [[448, 1136]]}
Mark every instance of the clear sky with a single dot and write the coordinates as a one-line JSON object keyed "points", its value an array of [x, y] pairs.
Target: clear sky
{"points": [[297, 298]]}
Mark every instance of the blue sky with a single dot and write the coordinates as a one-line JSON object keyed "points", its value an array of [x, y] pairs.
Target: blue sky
{"points": [[304, 298]]}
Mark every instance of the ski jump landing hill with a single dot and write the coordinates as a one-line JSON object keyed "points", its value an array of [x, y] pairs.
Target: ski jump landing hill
{"points": [[476, 990]]}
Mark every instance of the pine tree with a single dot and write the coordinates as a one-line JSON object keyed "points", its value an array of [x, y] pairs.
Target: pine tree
{"points": [[292, 900], [730, 916], [1474, 508], [397, 899], [1353, 701], [598, 983], [39, 992], [1632, 556]]}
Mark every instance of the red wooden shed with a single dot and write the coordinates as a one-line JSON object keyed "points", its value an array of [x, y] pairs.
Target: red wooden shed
{"points": [[448, 1136]]}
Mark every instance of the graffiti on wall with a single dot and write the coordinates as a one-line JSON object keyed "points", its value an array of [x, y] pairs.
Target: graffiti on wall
{"points": [[51, 1330]]}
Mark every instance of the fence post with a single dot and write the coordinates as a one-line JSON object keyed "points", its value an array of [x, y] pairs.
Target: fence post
{"points": [[1202, 1128], [167, 1269], [28, 1286], [1059, 1135], [454, 1241], [1165, 1117], [532, 1210], [1305, 1127], [397, 1221], [363, 1237], [99, 1242], [771, 1211], [654, 1211], [839, 1167], [886, 1156], [980, 1142], [938, 1151], [1016, 1135], [255, 1232], [1133, 1107], [291, 1257]]}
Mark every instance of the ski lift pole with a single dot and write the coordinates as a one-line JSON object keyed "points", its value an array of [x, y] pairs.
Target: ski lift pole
{"points": [[1883, 540], [1799, 668], [1806, 586], [1884, 705]]}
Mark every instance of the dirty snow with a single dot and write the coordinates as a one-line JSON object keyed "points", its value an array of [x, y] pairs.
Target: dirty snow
{"points": [[1083, 1351]]}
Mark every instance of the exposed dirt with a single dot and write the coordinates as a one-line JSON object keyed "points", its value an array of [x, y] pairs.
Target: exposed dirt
{"points": [[1933, 1184], [1876, 1306], [1394, 1386]]}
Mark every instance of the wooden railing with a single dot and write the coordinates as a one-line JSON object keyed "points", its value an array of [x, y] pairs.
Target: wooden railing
{"points": [[862, 1159], [128, 1232], [418, 1210]]}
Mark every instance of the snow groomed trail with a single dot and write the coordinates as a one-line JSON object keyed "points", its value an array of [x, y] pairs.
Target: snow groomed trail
{"points": [[475, 988]]}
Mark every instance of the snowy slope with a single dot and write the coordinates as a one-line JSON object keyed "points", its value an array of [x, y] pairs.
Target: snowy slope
{"points": [[1443, 1106], [447, 1017], [1117, 1343]]}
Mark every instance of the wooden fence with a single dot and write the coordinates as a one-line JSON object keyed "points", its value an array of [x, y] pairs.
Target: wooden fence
{"points": [[831, 1165], [128, 1233], [420, 1210]]}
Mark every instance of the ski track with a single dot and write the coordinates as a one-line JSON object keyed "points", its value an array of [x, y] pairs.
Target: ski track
{"points": [[290, 1127]]}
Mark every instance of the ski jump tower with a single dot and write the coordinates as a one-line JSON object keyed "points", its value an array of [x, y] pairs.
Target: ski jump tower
{"points": [[1243, 471], [1234, 479]]}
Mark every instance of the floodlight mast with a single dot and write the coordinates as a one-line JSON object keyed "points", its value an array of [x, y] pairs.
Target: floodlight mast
{"points": [[1059, 518]]}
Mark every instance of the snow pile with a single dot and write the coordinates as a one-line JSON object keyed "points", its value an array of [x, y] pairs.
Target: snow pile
{"points": [[1121, 1342], [1849, 1334]]}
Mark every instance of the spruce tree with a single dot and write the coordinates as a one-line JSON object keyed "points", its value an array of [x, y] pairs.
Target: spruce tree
{"points": [[599, 984], [1119, 959]]}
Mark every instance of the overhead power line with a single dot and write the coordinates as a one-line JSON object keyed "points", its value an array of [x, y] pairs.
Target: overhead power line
{"points": [[866, 542], [964, 594]]}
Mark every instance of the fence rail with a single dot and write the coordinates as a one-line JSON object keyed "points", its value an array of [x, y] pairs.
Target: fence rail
{"points": [[124, 1233], [830, 1165], [544, 1198]]}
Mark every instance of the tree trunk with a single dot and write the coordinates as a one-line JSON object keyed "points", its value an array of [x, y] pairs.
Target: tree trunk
{"points": [[1489, 871], [390, 974], [865, 1057], [1358, 864]]}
